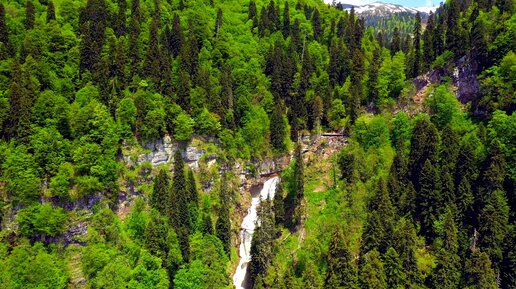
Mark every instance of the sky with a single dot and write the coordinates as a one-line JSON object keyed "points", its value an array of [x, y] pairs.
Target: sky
{"points": [[413, 3]]}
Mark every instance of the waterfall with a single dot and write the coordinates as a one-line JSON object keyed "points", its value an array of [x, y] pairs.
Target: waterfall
{"points": [[247, 230]]}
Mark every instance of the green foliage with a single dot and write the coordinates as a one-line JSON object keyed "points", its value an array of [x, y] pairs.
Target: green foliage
{"points": [[391, 76], [444, 107], [207, 123], [183, 127], [342, 270], [372, 274], [22, 175], [32, 267], [255, 130], [207, 268], [41, 220], [337, 115], [371, 132]]}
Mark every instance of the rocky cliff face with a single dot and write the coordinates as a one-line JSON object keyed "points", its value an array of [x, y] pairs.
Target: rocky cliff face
{"points": [[463, 75]]}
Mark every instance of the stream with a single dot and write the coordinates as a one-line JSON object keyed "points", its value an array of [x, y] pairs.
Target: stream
{"points": [[240, 279]]}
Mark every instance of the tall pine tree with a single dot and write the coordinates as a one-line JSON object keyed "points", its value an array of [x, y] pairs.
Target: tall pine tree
{"points": [[160, 192], [342, 269]]}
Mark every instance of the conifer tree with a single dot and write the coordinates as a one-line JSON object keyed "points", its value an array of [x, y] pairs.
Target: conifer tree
{"points": [[394, 271], [223, 225], [263, 242], [311, 277], [22, 94], [17, 101], [380, 224], [428, 47], [190, 53], [398, 175], [424, 144], [479, 273], [447, 272], [278, 205], [316, 23], [51, 11], [152, 65], [176, 37], [286, 21], [453, 37], [493, 174], [429, 199], [183, 90], [160, 192], [493, 224], [448, 154], [252, 11], [278, 130], [30, 14], [466, 167], [4, 34], [396, 41], [207, 224], [273, 17], [218, 22], [372, 273], [417, 46], [120, 22], [342, 270], [120, 64], [299, 184], [438, 35], [465, 203], [193, 195], [156, 233], [263, 24], [341, 26], [178, 206], [134, 47], [404, 242]]}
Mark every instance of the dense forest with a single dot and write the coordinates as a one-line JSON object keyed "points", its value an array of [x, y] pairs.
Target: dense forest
{"points": [[421, 196]]}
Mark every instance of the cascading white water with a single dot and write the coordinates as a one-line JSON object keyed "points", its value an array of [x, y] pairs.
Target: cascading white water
{"points": [[246, 234]]}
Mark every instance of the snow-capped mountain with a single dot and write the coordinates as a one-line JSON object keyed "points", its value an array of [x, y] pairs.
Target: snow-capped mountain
{"points": [[384, 17], [380, 8]]}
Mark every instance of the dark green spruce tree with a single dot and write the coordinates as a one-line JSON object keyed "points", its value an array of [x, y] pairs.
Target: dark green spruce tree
{"points": [[372, 273], [394, 271], [429, 199], [51, 11], [278, 130], [278, 205], [160, 192], [423, 146], [380, 221], [4, 34], [223, 224], [263, 242], [417, 46], [178, 206], [286, 21], [152, 65], [342, 270], [428, 48], [447, 273], [479, 271], [30, 15]]}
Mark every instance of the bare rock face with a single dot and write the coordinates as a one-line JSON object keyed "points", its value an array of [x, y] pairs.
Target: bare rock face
{"points": [[463, 75], [162, 151], [465, 78]]}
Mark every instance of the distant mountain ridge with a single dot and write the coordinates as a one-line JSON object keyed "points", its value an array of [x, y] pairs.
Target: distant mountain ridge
{"points": [[385, 17], [381, 9]]}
